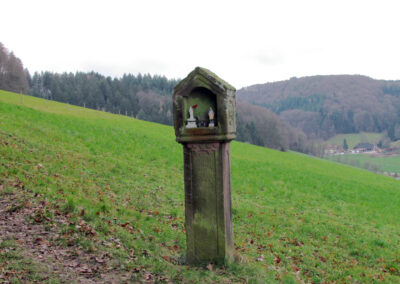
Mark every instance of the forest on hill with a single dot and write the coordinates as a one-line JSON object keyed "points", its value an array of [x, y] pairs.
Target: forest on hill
{"points": [[148, 97], [323, 106], [145, 97], [285, 115]]}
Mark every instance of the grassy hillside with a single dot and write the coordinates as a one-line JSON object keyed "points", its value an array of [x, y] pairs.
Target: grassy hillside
{"points": [[381, 164], [119, 181], [354, 138]]}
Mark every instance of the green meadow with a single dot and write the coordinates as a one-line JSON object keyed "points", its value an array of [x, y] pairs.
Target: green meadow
{"points": [[354, 138], [296, 218], [381, 164]]}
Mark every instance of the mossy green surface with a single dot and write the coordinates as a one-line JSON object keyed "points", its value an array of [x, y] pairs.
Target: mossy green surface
{"points": [[379, 164], [296, 218]]}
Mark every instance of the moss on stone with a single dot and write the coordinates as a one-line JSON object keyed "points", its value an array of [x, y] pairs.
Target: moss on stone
{"points": [[209, 76]]}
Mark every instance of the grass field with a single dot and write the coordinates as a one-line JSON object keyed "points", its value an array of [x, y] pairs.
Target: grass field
{"points": [[296, 218], [354, 138], [381, 164]]}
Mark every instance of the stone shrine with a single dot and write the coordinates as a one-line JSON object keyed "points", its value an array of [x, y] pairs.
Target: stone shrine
{"points": [[205, 123]]}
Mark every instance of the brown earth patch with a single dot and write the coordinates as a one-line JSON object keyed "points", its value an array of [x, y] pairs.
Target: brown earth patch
{"points": [[37, 244]]}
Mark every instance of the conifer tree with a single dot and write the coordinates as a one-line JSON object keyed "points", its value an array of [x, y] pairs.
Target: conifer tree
{"points": [[345, 146]]}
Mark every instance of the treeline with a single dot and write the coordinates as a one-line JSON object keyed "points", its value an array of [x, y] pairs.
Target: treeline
{"points": [[13, 77], [313, 103], [260, 126], [142, 96], [149, 98], [323, 106]]}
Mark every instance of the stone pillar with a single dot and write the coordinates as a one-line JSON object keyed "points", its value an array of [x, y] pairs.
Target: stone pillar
{"points": [[204, 121], [208, 207]]}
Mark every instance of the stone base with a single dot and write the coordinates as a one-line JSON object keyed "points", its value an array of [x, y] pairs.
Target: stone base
{"points": [[208, 209], [191, 124]]}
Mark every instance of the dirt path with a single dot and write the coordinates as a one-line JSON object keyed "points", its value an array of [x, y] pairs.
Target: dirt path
{"points": [[31, 249]]}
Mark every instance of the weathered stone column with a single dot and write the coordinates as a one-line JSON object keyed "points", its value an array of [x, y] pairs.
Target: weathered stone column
{"points": [[204, 120]]}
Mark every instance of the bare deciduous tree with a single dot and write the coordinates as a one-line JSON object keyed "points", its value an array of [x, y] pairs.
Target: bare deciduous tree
{"points": [[13, 77]]}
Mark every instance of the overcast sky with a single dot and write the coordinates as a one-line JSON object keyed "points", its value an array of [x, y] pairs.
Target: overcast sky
{"points": [[244, 42]]}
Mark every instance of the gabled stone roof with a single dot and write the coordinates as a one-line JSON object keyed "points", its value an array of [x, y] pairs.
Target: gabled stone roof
{"points": [[202, 77]]}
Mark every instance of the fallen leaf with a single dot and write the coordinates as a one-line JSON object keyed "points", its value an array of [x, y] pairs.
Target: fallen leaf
{"points": [[73, 264], [148, 276], [260, 258], [40, 241], [85, 269], [125, 224], [381, 260], [295, 268], [99, 260]]}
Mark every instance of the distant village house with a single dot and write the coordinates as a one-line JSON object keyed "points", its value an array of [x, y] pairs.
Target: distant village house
{"points": [[364, 147], [331, 149]]}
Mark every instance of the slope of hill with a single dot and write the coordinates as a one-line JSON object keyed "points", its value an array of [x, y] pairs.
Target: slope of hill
{"points": [[323, 106], [119, 183], [149, 98], [353, 139], [382, 164]]}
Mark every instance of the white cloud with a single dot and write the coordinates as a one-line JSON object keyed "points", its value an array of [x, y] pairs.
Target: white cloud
{"points": [[243, 42]]}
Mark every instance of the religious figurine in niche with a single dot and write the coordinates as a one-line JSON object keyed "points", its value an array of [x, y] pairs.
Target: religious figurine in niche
{"points": [[211, 118], [191, 121]]}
